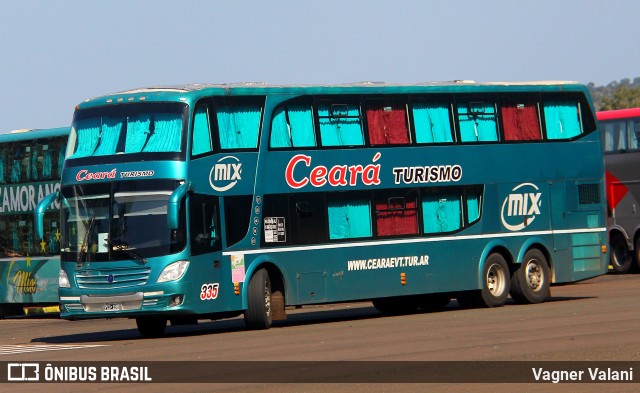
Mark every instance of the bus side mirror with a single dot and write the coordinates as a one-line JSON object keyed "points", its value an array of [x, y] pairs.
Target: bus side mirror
{"points": [[173, 206], [39, 211]]}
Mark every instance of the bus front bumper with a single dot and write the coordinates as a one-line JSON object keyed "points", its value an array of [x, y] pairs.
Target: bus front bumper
{"points": [[120, 305]]}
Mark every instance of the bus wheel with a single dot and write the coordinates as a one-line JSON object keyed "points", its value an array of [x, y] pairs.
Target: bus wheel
{"points": [[150, 327], [258, 313], [620, 256], [530, 282], [495, 285]]}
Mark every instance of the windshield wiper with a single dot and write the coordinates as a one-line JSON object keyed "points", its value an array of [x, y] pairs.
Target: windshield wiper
{"points": [[85, 241], [121, 246]]}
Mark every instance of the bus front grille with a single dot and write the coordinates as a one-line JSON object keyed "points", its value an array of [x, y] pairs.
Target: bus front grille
{"points": [[112, 278]]}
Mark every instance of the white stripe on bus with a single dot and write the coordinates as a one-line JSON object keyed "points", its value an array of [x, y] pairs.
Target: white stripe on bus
{"points": [[414, 240]]}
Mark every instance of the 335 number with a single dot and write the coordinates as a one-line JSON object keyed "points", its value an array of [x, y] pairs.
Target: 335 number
{"points": [[209, 291]]}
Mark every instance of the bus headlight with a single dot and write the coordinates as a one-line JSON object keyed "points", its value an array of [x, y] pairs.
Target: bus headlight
{"points": [[63, 280], [174, 271]]}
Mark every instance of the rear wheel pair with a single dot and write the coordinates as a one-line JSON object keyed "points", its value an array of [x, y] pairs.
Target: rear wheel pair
{"points": [[529, 283]]}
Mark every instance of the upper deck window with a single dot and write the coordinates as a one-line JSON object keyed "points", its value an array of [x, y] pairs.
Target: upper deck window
{"points": [[432, 122], [127, 129], [239, 126], [562, 118], [340, 124], [201, 130], [292, 126], [477, 122], [520, 121], [387, 123]]}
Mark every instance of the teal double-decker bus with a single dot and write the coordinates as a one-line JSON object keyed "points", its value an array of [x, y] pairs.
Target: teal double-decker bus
{"points": [[210, 201], [30, 166]]}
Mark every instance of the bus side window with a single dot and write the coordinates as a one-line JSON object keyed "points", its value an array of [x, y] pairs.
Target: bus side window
{"points": [[62, 151], [474, 205], [340, 124], [238, 125], [396, 215], [432, 123], [562, 119], [634, 134], [16, 164], [349, 218], [237, 215], [201, 142], [387, 124], [477, 122], [205, 224], [520, 121], [441, 212], [292, 126], [308, 218]]}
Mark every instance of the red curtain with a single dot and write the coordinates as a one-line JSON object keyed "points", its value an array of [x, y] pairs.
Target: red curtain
{"points": [[387, 125], [396, 218], [521, 122]]}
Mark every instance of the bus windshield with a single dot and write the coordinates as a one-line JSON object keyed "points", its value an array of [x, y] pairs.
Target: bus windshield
{"points": [[109, 222], [127, 129]]}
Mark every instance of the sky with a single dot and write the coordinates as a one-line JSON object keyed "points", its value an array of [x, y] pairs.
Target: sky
{"points": [[55, 54]]}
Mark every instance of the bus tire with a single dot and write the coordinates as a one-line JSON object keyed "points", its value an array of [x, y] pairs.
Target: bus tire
{"points": [[530, 282], [258, 312], [150, 327], [620, 258], [495, 285]]}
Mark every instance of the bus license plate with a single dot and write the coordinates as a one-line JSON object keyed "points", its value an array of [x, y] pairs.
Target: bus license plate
{"points": [[111, 307]]}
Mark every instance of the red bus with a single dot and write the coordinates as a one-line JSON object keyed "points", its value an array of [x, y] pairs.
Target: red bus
{"points": [[621, 133]]}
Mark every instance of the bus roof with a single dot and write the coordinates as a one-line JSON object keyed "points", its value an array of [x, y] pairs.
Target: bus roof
{"points": [[30, 134], [618, 114], [181, 92]]}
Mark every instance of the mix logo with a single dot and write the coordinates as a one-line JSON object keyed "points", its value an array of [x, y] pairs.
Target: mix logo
{"points": [[521, 207], [225, 173]]}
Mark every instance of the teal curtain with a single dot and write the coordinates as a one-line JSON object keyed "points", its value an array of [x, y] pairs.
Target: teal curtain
{"points": [[33, 163], [167, 133], [473, 207], [87, 133], [280, 130], [137, 132], [477, 122], [16, 170], [47, 163], [432, 123], [349, 219], [292, 126], [201, 142], [562, 119], [441, 213], [109, 136], [340, 127], [14, 237], [61, 154], [238, 126]]}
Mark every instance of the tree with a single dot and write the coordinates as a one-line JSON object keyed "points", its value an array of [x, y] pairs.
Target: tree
{"points": [[624, 97]]}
